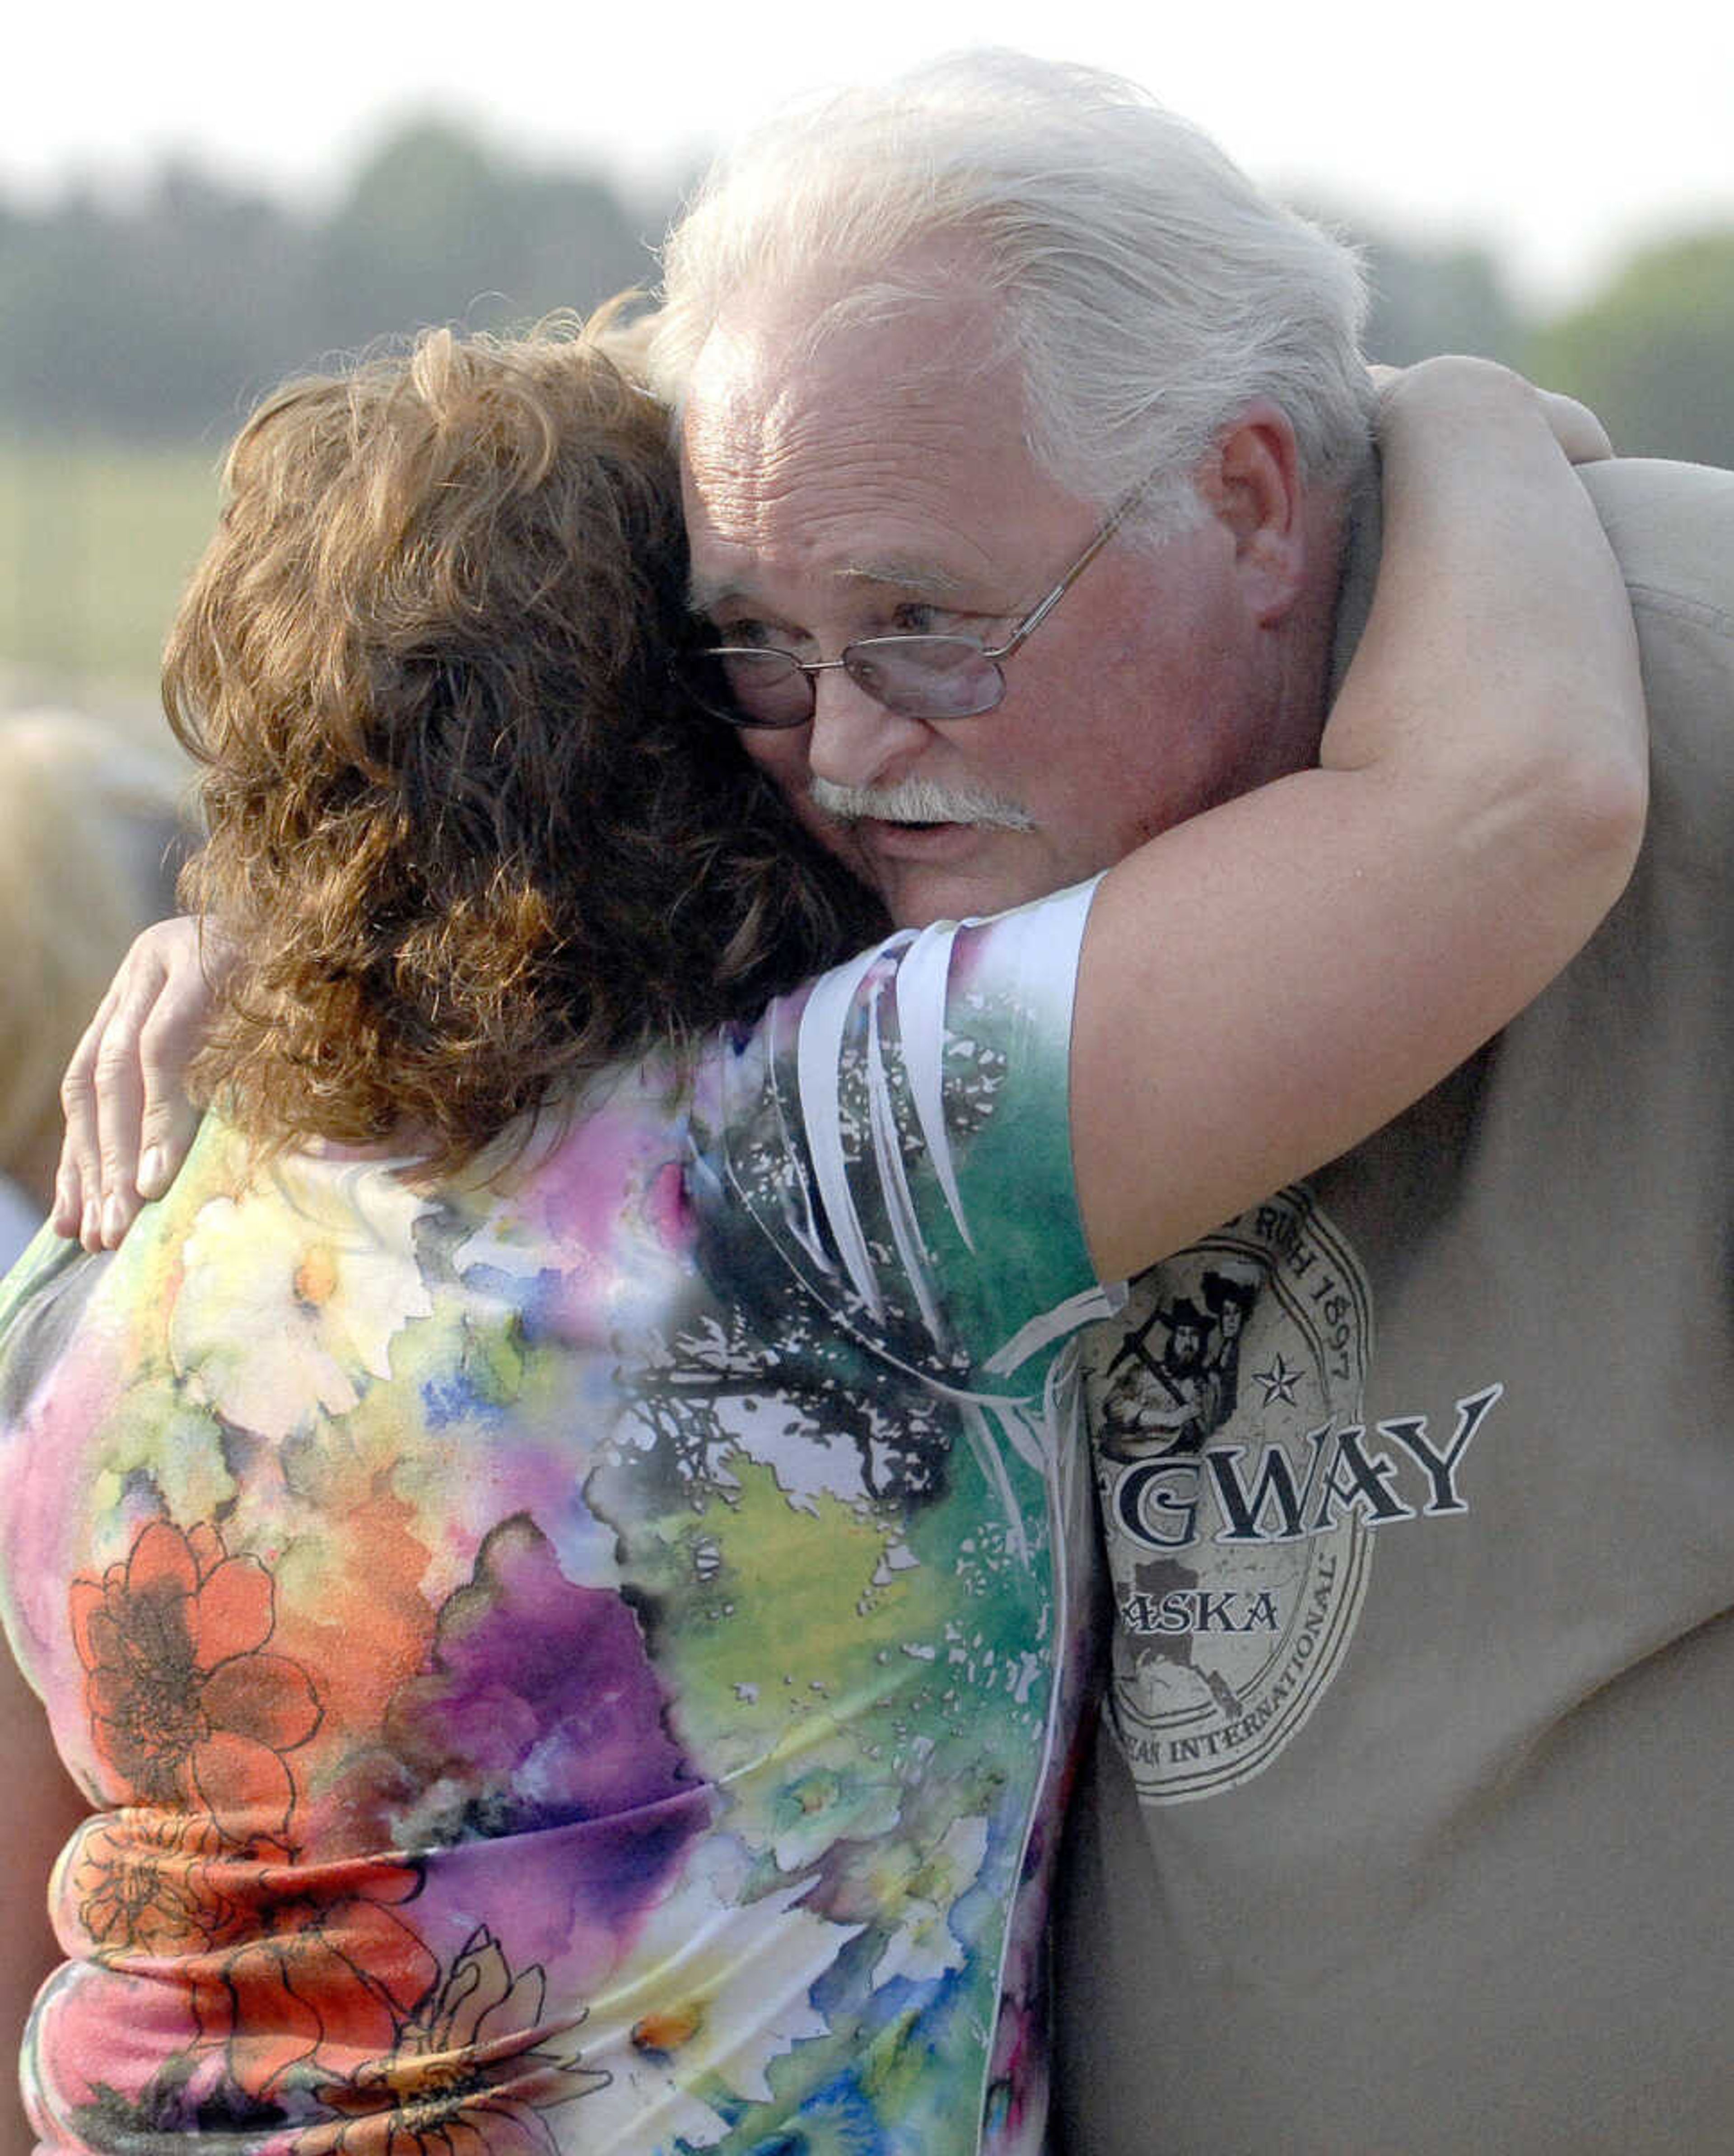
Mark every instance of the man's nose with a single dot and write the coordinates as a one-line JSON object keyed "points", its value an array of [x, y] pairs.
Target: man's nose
{"points": [[855, 741]]}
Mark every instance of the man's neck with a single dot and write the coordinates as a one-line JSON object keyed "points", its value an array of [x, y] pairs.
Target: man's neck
{"points": [[1360, 527], [1331, 606]]}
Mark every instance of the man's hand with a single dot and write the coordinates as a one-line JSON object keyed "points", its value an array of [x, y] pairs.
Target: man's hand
{"points": [[129, 1122]]}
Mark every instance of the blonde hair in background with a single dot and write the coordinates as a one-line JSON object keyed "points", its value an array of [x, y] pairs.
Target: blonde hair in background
{"points": [[89, 817]]}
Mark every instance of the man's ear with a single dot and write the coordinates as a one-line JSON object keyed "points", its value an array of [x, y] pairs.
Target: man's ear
{"points": [[1251, 482]]}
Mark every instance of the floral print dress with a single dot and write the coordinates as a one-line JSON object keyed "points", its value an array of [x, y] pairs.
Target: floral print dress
{"points": [[587, 1662]]}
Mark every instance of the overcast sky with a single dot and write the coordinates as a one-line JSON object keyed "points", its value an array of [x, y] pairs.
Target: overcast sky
{"points": [[1559, 150]]}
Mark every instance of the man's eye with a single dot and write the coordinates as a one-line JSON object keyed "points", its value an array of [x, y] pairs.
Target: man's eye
{"points": [[921, 618], [755, 635]]}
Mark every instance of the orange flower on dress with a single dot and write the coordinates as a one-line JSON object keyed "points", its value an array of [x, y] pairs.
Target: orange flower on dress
{"points": [[466, 2076], [185, 1707], [142, 1883], [320, 1971]]}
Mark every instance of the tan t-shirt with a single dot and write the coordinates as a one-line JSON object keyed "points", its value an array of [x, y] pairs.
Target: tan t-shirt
{"points": [[1412, 1832]]}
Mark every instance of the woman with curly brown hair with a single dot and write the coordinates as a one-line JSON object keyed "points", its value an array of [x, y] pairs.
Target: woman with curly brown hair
{"points": [[461, 828], [558, 1550]]}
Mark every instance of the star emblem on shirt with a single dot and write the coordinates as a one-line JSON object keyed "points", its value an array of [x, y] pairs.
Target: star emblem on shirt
{"points": [[1279, 1381]]}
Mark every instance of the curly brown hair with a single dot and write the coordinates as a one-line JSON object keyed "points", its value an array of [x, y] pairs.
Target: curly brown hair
{"points": [[465, 836]]}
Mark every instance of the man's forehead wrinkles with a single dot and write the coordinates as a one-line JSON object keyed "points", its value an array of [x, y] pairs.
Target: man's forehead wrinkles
{"points": [[842, 424], [755, 480], [819, 497], [914, 574], [878, 521], [904, 572]]}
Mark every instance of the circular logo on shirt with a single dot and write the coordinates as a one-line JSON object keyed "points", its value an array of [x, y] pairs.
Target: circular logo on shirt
{"points": [[1238, 1493]]}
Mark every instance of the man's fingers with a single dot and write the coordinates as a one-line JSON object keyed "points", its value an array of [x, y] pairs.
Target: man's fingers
{"points": [[167, 1043], [77, 1180], [128, 1122], [119, 1088], [165, 1139]]}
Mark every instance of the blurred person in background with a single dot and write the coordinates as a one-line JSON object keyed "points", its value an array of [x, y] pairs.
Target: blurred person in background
{"points": [[89, 845]]}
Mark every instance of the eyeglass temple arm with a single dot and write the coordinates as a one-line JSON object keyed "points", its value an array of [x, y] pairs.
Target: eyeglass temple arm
{"points": [[1032, 622]]}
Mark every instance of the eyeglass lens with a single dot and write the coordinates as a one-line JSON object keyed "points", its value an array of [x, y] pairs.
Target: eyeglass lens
{"points": [[918, 677]]}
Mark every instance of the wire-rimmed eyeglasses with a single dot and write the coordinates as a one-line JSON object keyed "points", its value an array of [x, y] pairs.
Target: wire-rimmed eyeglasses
{"points": [[917, 675]]}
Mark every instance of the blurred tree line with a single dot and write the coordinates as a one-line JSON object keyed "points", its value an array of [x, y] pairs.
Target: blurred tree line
{"points": [[1651, 351], [163, 319]]}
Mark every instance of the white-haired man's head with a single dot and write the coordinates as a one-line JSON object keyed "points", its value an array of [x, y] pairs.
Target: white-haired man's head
{"points": [[938, 346], [1148, 291]]}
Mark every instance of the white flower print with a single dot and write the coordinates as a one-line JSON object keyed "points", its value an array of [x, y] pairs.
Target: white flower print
{"points": [[281, 1305]]}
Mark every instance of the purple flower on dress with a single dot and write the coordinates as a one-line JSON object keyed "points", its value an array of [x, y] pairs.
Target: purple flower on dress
{"points": [[541, 1709]]}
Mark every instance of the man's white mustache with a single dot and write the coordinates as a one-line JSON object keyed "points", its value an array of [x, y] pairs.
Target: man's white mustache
{"points": [[920, 801]]}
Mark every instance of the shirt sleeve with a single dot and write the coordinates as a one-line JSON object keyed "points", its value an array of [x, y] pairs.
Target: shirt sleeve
{"points": [[899, 1133]]}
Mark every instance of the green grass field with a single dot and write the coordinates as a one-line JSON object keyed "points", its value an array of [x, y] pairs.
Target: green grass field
{"points": [[95, 543]]}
